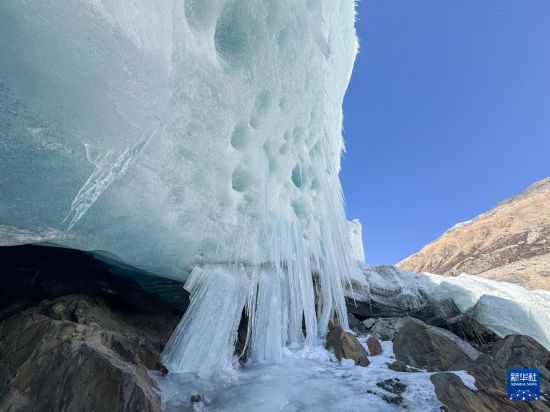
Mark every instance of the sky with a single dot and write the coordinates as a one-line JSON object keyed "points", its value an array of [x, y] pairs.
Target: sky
{"points": [[447, 114]]}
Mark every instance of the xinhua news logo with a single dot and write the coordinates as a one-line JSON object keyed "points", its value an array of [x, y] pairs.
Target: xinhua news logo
{"points": [[523, 384]]}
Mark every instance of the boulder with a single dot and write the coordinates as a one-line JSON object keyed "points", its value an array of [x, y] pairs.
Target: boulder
{"points": [[356, 325], [457, 397], [385, 328], [399, 366], [346, 346], [81, 353], [432, 348], [436, 349], [374, 346], [369, 322], [372, 308], [446, 314], [521, 351]]}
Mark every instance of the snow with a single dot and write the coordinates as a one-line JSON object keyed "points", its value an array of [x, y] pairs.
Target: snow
{"points": [[186, 137], [468, 380], [305, 380]]}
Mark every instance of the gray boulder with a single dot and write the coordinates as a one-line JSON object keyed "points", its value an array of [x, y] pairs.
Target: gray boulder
{"points": [[432, 348], [386, 328], [458, 398], [369, 322], [436, 349], [520, 351]]}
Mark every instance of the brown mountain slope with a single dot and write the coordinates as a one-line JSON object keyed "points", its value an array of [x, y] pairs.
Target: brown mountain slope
{"points": [[510, 242]]}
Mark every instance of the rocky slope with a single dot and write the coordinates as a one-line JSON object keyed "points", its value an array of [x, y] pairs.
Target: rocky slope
{"points": [[510, 243], [77, 334], [94, 344], [78, 353]]}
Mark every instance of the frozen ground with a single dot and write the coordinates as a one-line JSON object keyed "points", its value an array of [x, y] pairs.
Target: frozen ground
{"points": [[305, 381]]}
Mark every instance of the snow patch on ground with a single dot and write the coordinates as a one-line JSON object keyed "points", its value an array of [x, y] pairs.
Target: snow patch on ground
{"points": [[468, 380]]}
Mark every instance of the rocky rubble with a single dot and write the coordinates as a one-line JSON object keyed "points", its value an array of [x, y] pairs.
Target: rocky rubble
{"points": [[65, 349], [435, 349], [83, 345], [419, 346]]}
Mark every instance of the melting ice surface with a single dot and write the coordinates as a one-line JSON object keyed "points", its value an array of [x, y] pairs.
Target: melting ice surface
{"points": [[305, 380]]}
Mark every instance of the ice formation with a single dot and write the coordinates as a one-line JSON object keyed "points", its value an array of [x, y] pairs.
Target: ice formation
{"points": [[502, 307], [356, 238], [182, 134], [306, 381]]}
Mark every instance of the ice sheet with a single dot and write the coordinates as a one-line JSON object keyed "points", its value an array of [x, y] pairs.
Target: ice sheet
{"points": [[306, 380]]}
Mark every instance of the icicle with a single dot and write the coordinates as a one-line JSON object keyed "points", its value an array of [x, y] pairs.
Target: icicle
{"points": [[204, 340]]}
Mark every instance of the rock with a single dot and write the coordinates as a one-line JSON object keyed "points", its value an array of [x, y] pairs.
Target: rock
{"points": [[432, 348], [392, 385], [452, 392], [395, 387], [374, 309], [375, 348], [346, 346], [356, 325], [520, 351], [399, 366], [437, 349], [446, 314], [195, 398], [385, 328], [369, 322], [394, 400], [81, 353]]}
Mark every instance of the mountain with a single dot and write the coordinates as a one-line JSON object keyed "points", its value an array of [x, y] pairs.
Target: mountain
{"points": [[510, 243]]}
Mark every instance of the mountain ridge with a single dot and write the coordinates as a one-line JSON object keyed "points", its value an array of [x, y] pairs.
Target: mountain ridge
{"points": [[510, 242]]}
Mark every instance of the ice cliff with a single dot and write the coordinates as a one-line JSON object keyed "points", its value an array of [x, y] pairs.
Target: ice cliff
{"points": [[186, 134]]}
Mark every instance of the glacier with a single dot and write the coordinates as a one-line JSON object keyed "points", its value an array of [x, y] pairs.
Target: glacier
{"points": [[187, 137], [201, 141], [503, 308]]}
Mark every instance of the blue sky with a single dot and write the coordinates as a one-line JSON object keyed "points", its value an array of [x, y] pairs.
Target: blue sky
{"points": [[447, 113]]}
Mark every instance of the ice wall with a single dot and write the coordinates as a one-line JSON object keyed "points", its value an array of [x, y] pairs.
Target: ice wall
{"points": [[177, 134]]}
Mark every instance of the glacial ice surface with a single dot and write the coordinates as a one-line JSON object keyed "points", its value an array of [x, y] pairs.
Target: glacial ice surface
{"points": [[175, 133], [502, 307], [186, 134]]}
